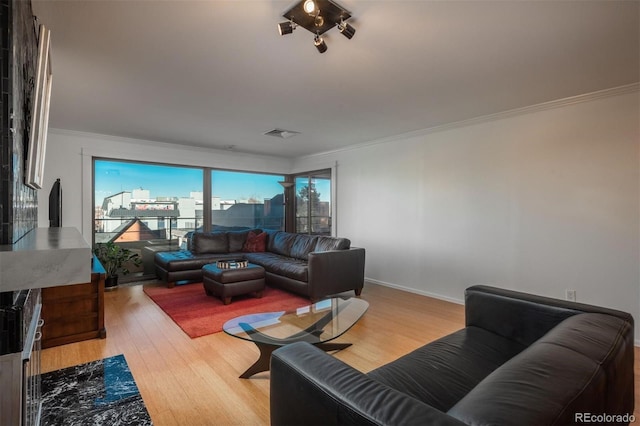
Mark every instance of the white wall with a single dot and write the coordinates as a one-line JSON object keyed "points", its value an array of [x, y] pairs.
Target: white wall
{"points": [[540, 201], [69, 157]]}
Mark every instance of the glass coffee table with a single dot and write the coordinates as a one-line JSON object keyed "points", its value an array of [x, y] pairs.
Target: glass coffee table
{"points": [[317, 324]]}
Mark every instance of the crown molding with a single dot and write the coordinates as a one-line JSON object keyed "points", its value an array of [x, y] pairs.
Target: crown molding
{"points": [[159, 144], [558, 103]]}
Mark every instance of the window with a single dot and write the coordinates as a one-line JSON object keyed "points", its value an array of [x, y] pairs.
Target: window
{"points": [[247, 200], [137, 203], [313, 203]]}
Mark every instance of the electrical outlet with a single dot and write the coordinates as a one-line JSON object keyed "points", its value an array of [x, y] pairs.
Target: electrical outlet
{"points": [[570, 295]]}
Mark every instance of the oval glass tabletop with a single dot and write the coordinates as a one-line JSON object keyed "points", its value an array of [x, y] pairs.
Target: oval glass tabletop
{"points": [[317, 323]]}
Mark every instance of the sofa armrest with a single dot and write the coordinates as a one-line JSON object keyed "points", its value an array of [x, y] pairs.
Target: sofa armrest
{"points": [[522, 317], [335, 271], [310, 387]]}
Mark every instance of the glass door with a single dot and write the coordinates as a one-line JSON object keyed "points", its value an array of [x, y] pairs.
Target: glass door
{"points": [[313, 203]]}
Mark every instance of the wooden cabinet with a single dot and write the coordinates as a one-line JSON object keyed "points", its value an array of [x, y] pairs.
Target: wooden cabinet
{"points": [[72, 313]]}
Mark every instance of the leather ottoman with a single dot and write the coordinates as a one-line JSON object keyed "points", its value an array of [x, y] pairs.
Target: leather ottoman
{"points": [[226, 283]]}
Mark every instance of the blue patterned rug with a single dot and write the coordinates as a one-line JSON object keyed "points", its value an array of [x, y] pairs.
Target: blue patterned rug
{"points": [[101, 392]]}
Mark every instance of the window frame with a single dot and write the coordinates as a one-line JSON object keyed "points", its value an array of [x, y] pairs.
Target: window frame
{"points": [[293, 205]]}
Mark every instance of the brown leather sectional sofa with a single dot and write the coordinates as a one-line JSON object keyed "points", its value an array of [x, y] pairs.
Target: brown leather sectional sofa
{"points": [[309, 265]]}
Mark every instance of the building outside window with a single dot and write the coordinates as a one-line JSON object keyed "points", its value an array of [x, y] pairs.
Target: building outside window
{"points": [[246, 200], [145, 202]]}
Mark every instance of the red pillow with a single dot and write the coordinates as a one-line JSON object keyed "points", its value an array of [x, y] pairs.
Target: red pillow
{"points": [[255, 242]]}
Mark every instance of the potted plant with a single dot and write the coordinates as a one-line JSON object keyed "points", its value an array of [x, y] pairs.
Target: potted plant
{"points": [[114, 259]]}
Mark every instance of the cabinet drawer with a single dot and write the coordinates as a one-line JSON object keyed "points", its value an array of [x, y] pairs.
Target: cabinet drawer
{"points": [[69, 291], [62, 328], [69, 308]]}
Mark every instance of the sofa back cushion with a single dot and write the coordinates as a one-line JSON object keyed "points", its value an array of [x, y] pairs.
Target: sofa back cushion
{"points": [[237, 239], [583, 365], [271, 234], [330, 243], [282, 242], [303, 245], [210, 242]]}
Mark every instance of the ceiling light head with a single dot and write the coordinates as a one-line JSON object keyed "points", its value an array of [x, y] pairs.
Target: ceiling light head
{"points": [[318, 21], [320, 44], [346, 30], [309, 7], [286, 27]]}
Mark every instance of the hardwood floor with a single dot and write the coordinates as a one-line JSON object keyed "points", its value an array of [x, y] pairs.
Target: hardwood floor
{"points": [[187, 381]]}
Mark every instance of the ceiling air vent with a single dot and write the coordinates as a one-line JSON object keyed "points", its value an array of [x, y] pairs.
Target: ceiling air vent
{"points": [[281, 133]]}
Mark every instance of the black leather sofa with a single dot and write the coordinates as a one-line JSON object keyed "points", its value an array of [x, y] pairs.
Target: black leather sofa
{"points": [[520, 360], [309, 265]]}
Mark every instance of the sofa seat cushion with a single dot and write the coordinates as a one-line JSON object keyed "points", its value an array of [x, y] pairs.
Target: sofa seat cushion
{"points": [[184, 260], [280, 265], [567, 371], [442, 372]]}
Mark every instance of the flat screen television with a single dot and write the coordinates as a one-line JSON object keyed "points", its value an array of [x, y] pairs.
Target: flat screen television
{"points": [[55, 205]]}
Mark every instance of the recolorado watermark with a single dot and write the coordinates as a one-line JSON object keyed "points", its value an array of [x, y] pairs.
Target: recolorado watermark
{"points": [[604, 418]]}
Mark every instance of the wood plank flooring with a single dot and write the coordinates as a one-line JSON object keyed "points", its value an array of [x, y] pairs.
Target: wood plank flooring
{"points": [[186, 381]]}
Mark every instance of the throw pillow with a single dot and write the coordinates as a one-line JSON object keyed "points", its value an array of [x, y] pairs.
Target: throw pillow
{"points": [[255, 242]]}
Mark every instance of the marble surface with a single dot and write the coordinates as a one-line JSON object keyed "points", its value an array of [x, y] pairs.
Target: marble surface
{"points": [[45, 257], [101, 392]]}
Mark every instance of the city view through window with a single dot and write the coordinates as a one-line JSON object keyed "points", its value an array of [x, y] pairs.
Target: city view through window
{"points": [[141, 202], [154, 207]]}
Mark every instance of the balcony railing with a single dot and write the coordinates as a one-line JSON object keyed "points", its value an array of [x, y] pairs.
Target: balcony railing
{"points": [[320, 225], [145, 236]]}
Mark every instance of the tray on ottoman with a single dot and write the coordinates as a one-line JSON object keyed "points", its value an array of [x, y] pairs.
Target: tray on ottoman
{"points": [[228, 282]]}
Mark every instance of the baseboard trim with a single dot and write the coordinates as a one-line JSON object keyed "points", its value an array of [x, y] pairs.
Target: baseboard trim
{"points": [[416, 291]]}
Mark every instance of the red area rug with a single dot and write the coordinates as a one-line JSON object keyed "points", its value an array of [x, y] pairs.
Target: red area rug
{"points": [[198, 314]]}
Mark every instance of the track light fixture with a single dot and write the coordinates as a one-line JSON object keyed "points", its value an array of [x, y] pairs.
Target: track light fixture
{"points": [[346, 30], [286, 27], [318, 17], [320, 44]]}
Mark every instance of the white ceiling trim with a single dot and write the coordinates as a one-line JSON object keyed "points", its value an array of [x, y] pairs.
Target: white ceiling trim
{"points": [[157, 144]]}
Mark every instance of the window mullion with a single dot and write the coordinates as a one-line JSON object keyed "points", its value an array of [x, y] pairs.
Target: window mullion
{"points": [[206, 202]]}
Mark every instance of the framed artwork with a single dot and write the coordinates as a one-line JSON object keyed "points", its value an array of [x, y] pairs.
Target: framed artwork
{"points": [[40, 114]]}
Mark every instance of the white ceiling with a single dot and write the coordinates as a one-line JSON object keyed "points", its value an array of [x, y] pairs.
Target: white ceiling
{"points": [[217, 73]]}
